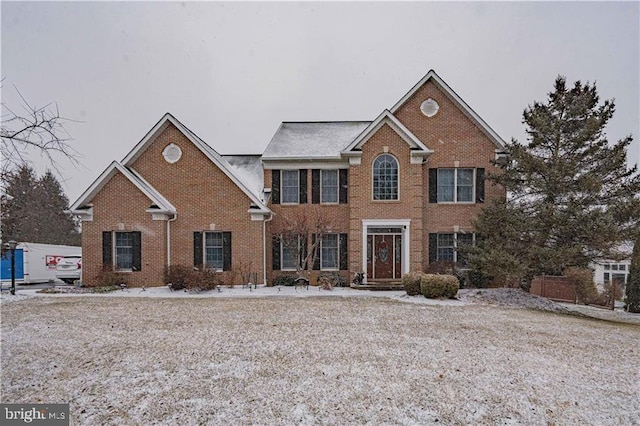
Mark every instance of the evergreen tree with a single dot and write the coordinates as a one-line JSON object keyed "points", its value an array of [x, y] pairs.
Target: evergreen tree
{"points": [[33, 210], [632, 290], [572, 199]]}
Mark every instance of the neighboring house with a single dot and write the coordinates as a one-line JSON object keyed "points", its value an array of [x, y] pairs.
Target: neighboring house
{"points": [[399, 192], [608, 271]]}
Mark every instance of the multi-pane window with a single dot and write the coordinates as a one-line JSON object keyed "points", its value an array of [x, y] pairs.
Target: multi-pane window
{"points": [[290, 191], [124, 250], [455, 185], [290, 253], [329, 251], [328, 186], [213, 250], [447, 247], [385, 178]]}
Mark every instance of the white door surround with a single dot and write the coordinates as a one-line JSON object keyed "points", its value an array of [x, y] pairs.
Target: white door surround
{"points": [[404, 224]]}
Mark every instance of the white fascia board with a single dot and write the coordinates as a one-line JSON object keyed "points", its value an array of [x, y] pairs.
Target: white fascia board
{"points": [[95, 187], [497, 140], [106, 175]]}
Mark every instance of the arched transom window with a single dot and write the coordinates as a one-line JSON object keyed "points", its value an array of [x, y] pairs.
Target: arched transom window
{"points": [[385, 178]]}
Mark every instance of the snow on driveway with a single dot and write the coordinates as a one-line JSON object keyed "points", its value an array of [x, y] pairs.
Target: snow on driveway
{"points": [[364, 357]]}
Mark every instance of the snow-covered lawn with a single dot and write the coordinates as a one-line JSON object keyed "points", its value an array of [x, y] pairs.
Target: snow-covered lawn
{"points": [[364, 357]]}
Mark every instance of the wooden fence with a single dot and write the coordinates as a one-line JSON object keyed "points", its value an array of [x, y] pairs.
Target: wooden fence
{"points": [[559, 289]]}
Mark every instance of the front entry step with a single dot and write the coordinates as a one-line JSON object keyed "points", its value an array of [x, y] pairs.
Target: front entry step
{"points": [[379, 286]]}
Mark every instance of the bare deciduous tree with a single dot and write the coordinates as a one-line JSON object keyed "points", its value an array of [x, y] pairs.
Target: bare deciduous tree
{"points": [[33, 129], [304, 229]]}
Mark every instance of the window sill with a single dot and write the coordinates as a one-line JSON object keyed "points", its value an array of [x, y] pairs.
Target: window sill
{"points": [[454, 203]]}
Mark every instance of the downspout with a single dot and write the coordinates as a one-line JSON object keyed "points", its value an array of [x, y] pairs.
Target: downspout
{"points": [[264, 248], [175, 216]]}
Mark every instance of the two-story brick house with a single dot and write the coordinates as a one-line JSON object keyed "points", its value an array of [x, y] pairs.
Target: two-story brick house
{"points": [[398, 192]]}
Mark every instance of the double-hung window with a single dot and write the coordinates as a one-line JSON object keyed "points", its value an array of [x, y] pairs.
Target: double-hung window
{"points": [[213, 250], [455, 185], [329, 252], [290, 187], [329, 186], [291, 251], [447, 247], [124, 250]]}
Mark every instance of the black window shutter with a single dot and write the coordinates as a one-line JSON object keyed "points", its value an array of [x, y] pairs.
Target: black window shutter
{"points": [[197, 249], [344, 264], [303, 186], [275, 186], [107, 251], [480, 185], [137, 250], [433, 247], [433, 185], [275, 253], [226, 251], [343, 186], [315, 186], [316, 261]]}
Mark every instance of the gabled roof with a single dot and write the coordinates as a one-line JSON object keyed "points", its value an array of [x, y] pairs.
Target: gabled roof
{"points": [[159, 203], [215, 158], [431, 75], [312, 140], [386, 117]]}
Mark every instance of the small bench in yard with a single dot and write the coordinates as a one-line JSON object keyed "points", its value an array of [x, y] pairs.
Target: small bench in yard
{"points": [[301, 282]]}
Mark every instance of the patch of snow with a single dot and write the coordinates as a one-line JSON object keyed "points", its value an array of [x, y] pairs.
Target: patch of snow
{"points": [[313, 139], [248, 168], [314, 360]]}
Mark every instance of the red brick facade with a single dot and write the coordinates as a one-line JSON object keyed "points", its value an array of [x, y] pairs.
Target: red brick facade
{"points": [[206, 195]]}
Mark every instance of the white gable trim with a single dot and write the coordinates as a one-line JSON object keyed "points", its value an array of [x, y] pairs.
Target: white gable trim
{"points": [[215, 158], [79, 206], [386, 117], [496, 139]]}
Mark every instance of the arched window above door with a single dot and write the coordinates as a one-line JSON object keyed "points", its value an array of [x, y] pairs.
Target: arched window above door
{"points": [[385, 177]]}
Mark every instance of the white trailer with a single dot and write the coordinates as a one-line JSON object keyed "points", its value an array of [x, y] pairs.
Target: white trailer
{"points": [[35, 263]]}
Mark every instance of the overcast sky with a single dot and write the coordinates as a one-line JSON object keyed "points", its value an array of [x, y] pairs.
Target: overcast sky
{"points": [[232, 72]]}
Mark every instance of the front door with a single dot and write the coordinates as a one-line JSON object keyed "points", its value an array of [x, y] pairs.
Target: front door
{"points": [[384, 257]]}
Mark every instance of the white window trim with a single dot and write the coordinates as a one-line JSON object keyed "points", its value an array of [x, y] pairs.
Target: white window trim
{"points": [[455, 185], [337, 268], [373, 165], [289, 203], [282, 267], [337, 187], [204, 250], [114, 255]]}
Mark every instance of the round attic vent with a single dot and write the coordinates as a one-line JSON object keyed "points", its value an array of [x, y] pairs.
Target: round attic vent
{"points": [[429, 107], [172, 153]]}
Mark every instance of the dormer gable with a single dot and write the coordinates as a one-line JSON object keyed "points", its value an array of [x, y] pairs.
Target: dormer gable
{"points": [[159, 207], [419, 151]]}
